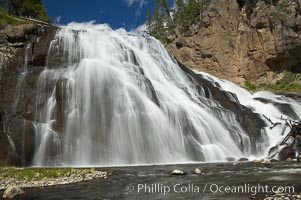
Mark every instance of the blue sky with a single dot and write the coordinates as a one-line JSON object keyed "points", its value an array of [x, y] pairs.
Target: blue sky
{"points": [[117, 13]]}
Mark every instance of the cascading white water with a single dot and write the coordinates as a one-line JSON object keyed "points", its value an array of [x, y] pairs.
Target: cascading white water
{"points": [[266, 107], [22, 77], [113, 98], [19, 88]]}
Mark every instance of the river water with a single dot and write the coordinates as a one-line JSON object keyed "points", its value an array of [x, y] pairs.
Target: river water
{"points": [[150, 182]]}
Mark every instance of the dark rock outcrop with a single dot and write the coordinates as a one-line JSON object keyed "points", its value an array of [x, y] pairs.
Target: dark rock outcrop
{"points": [[251, 122], [231, 45], [61, 100], [17, 101]]}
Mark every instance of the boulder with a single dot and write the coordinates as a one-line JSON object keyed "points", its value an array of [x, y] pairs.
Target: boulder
{"points": [[12, 191], [197, 171], [177, 172]]}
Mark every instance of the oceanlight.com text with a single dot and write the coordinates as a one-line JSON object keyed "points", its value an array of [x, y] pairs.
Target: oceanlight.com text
{"points": [[192, 188]]}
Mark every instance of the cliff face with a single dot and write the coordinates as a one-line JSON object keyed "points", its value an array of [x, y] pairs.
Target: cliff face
{"points": [[17, 95], [232, 46]]}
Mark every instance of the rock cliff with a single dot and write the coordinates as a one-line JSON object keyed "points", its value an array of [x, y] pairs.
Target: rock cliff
{"points": [[17, 94], [237, 46]]}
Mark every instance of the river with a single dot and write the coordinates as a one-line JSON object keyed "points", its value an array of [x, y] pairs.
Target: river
{"points": [[217, 181]]}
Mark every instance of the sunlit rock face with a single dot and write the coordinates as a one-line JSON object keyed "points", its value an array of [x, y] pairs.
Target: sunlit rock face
{"points": [[231, 45]]}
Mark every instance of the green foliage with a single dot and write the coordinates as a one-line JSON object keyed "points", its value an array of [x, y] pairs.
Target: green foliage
{"points": [[30, 8], [5, 19], [290, 77], [189, 16], [163, 24], [160, 25], [290, 83], [25, 8], [250, 86], [32, 173], [40, 173]]}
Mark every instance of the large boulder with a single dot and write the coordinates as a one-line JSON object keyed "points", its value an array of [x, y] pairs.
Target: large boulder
{"points": [[12, 192]]}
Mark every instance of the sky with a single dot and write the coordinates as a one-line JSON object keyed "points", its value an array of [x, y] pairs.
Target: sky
{"points": [[128, 14]]}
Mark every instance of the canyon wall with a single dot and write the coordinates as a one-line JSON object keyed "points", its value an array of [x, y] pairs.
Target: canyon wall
{"points": [[17, 95], [235, 46]]}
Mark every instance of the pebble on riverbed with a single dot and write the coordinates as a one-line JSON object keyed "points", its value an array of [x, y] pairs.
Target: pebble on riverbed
{"points": [[282, 196]]}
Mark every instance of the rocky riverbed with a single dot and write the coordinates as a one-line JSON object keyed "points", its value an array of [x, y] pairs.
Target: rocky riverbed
{"points": [[40, 177]]}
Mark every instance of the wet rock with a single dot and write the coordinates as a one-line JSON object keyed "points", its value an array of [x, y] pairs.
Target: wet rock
{"points": [[61, 99], [22, 134], [289, 159], [46, 35], [7, 155], [265, 162], [177, 172], [12, 191], [299, 157], [286, 152], [230, 159], [17, 118], [257, 161], [251, 122], [243, 160], [197, 171]]}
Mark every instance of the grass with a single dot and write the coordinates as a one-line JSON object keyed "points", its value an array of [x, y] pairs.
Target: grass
{"points": [[290, 83], [40, 173]]}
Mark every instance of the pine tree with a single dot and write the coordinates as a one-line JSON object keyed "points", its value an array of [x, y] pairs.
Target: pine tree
{"points": [[149, 22], [164, 25], [158, 29]]}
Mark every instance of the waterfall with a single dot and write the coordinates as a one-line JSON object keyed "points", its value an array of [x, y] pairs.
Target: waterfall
{"points": [[276, 107], [108, 97], [21, 78]]}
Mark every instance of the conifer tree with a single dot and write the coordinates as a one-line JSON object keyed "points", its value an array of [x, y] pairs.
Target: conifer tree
{"points": [[185, 14]]}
